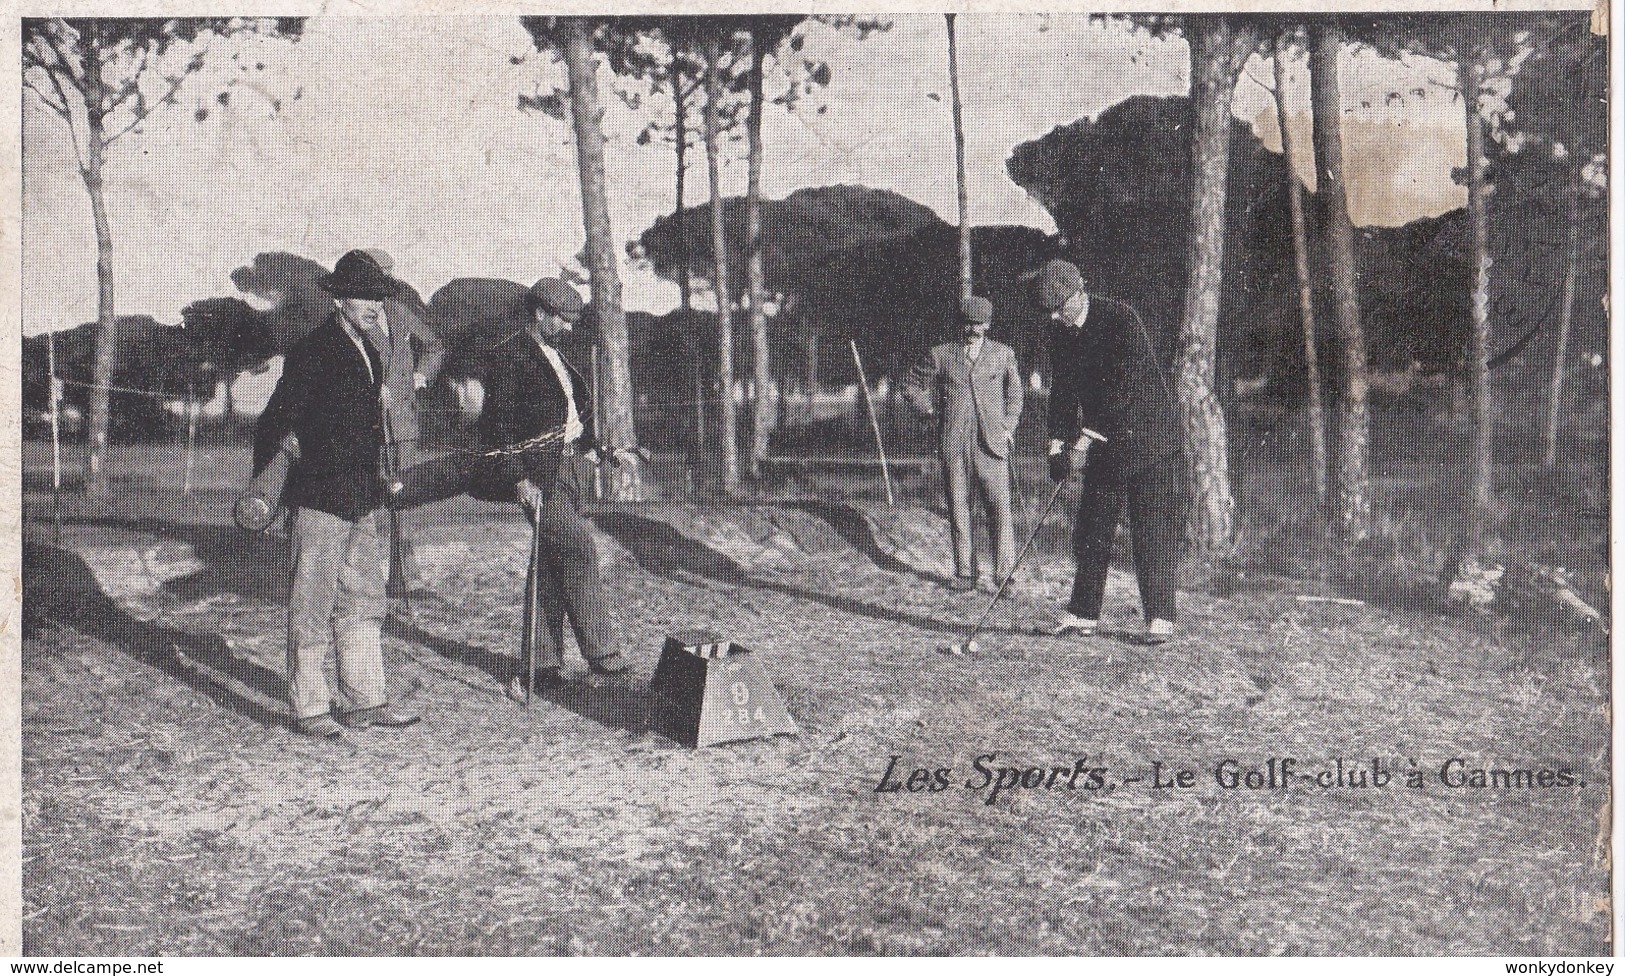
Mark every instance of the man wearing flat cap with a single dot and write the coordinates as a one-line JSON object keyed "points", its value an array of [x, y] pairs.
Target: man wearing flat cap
{"points": [[1108, 378], [412, 354], [330, 397], [538, 417], [973, 387]]}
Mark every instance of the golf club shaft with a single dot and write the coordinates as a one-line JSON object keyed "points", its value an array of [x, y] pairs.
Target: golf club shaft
{"points": [[1032, 534], [1081, 447]]}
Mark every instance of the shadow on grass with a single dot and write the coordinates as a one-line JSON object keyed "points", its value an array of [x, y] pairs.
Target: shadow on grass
{"points": [[664, 551], [62, 589], [851, 525], [248, 564], [611, 705]]}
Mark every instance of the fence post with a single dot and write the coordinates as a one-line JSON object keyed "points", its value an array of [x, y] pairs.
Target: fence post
{"points": [[56, 435], [191, 437]]}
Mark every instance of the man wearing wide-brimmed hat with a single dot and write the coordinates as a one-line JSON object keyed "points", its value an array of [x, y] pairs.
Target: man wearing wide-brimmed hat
{"points": [[1109, 378], [973, 386], [538, 418], [330, 399]]}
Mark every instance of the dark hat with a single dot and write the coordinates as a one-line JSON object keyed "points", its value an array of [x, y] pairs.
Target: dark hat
{"points": [[357, 275], [976, 310], [1058, 281], [555, 296]]}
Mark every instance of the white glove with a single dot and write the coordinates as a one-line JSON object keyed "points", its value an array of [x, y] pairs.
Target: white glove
{"points": [[529, 495]]}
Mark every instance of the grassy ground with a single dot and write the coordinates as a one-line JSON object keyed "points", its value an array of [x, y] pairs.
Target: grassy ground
{"points": [[167, 807]]}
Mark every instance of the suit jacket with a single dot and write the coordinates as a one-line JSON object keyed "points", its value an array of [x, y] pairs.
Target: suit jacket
{"points": [[413, 348], [980, 400], [1107, 377], [523, 398], [327, 399]]}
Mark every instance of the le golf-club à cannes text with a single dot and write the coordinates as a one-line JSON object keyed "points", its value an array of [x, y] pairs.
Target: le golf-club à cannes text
{"points": [[993, 776]]}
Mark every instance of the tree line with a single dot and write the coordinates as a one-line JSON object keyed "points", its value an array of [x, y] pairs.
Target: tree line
{"points": [[1530, 87]]}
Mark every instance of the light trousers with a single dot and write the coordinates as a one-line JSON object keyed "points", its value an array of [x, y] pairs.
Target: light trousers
{"points": [[966, 464], [338, 604]]}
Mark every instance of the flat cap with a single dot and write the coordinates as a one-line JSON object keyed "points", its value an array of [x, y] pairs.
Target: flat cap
{"points": [[976, 310], [554, 295], [1058, 281]]}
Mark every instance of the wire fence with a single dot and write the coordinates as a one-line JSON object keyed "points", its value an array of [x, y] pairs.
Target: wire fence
{"points": [[827, 446]]}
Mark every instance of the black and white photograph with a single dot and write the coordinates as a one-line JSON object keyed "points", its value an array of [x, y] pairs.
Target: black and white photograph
{"points": [[1016, 482]]}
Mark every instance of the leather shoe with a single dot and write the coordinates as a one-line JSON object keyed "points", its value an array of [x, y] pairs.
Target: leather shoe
{"points": [[609, 664], [383, 716], [320, 727], [547, 679], [962, 584]]}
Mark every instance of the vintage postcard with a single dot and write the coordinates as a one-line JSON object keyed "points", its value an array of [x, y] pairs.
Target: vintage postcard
{"points": [[1042, 481]]}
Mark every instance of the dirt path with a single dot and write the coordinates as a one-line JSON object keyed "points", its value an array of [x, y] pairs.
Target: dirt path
{"points": [[167, 809]]}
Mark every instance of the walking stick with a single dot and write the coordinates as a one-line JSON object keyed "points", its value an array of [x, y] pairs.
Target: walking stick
{"points": [[874, 423], [1021, 496], [533, 620], [397, 563]]}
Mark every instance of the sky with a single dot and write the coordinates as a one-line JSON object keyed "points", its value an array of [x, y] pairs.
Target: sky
{"points": [[405, 134]]}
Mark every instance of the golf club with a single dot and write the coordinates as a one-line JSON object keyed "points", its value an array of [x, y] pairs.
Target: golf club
{"points": [[968, 645]]}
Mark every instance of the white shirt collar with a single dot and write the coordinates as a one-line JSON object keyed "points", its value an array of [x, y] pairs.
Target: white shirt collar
{"points": [[573, 428], [1059, 315], [360, 343]]}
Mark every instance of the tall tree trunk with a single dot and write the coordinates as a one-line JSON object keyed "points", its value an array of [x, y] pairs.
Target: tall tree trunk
{"points": [[1481, 530], [1306, 286], [1213, 46], [615, 426], [1565, 318], [966, 272], [719, 247], [1354, 425], [763, 417], [101, 388], [685, 280]]}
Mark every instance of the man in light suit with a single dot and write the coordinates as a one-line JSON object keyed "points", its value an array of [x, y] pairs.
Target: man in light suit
{"points": [[412, 354], [974, 387]]}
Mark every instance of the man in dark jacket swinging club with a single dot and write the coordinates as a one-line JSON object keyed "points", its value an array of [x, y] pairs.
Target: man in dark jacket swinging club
{"points": [[1108, 379], [330, 398]]}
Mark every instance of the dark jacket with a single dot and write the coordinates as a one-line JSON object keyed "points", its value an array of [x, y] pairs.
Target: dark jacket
{"points": [[326, 399], [1108, 377], [523, 399]]}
